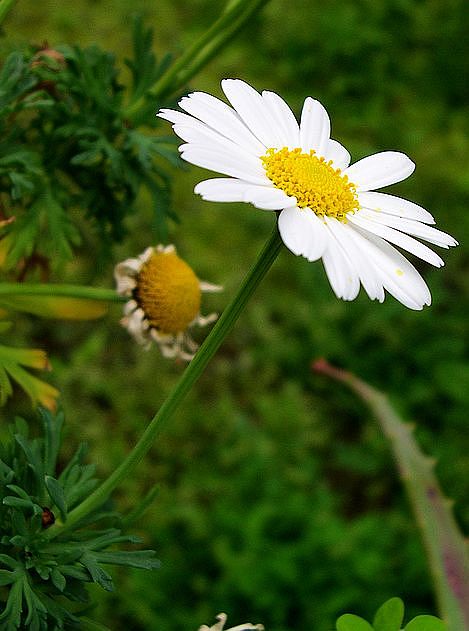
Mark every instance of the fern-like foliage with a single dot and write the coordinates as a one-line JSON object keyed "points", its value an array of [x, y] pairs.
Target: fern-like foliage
{"points": [[42, 581], [67, 149]]}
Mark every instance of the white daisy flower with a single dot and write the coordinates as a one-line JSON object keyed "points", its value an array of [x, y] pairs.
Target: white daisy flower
{"points": [[219, 626], [328, 209], [164, 303]]}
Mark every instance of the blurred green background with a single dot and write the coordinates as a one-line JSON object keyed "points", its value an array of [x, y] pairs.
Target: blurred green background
{"points": [[279, 501]]}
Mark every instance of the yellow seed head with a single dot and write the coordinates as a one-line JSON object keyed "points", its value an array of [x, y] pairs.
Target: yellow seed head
{"points": [[313, 181], [168, 291]]}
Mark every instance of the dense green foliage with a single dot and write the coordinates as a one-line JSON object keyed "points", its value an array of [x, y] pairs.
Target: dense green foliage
{"points": [[278, 498], [67, 146], [43, 582]]}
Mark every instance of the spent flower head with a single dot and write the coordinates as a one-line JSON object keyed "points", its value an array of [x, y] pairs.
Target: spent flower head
{"points": [[327, 208], [165, 296]]}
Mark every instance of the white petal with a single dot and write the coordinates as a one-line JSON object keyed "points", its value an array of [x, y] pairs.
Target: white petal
{"points": [[130, 307], [347, 239], [189, 128], [222, 118], [396, 273], [233, 190], [337, 153], [253, 111], [137, 326], [315, 127], [332, 269], [268, 198], [392, 205], [125, 285], [128, 267], [225, 162], [148, 253], [303, 233], [409, 226], [208, 288], [340, 271], [222, 189], [203, 135], [125, 274], [205, 138], [340, 266], [398, 238], [179, 118], [166, 249], [380, 169], [288, 129]]}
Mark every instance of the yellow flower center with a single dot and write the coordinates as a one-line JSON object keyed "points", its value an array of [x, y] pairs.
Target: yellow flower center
{"points": [[168, 292], [313, 181]]}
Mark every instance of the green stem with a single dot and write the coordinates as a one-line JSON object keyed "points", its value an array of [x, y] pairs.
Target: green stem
{"points": [[68, 291], [235, 15], [445, 546], [190, 376], [5, 6]]}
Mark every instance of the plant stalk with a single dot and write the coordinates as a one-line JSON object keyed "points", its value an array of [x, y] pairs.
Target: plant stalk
{"points": [[66, 291], [235, 15], [445, 546], [192, 373]]}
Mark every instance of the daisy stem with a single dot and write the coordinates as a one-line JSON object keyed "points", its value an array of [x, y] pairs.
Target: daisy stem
{"points": [[193, 371], [235, 15], [66, 291], [5, 6]]}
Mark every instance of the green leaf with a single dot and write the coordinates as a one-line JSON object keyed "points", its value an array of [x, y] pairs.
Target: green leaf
{"points": [[5, 386], [426, 623], [39, 391], [7, 577], [25, 231], [56, 493], [351, 622], [143, 66], [33, 457], [60, 307], [19, 491], [14, 80], [99, 576], [12, 612], [91, 625], [22, 184], [62, 232], [143, 559], [88, 158], [389, 616], [17, 502], [58, 579], [37, 612], [9, 561], [73, 572], [53, 435], [46, 227]]}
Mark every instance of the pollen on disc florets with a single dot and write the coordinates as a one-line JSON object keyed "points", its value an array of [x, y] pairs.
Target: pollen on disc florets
{"points": [[315, 183], [168, 292]]}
